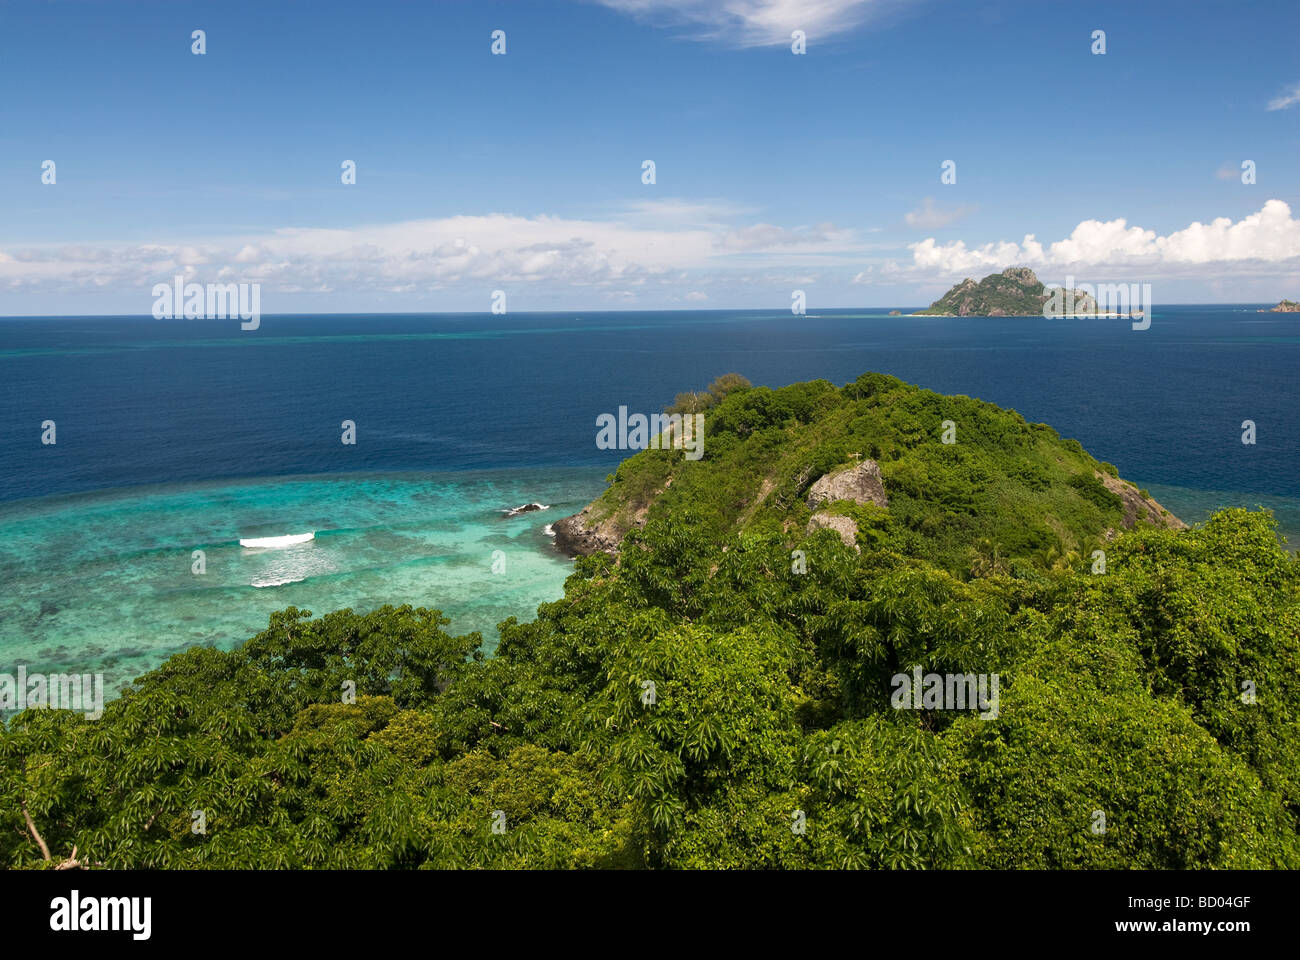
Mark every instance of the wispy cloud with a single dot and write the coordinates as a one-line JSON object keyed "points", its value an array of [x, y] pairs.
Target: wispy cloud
{"points": [[929, 217], [1288, 99], [755, 23], [666, 241], [676, 212], [824, 237]]}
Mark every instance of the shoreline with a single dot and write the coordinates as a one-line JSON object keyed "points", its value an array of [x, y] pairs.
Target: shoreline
{"points": [[1036, 316]]}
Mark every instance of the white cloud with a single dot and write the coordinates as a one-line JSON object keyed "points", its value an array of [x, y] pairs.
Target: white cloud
{"points": [[755, 23], [1269, 237], [662, 251], [1288, 99], [677, 212], [671, 240], [929, 217], [766, 237]]}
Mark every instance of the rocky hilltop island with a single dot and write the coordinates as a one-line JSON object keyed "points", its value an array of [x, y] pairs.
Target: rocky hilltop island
{"points": [[1285, 306], [1015, 292], [869, 462]]}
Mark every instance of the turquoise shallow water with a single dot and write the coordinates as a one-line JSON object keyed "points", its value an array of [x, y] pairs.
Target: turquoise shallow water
{"points": [[104, 582], [1195, 506]]}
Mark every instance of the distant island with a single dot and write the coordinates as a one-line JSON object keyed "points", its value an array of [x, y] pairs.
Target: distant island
{"points": [[1015, 292], [1284, 306]]}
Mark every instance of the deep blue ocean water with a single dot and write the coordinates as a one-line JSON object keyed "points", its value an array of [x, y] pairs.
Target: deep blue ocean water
{"points": [[175, 435]]}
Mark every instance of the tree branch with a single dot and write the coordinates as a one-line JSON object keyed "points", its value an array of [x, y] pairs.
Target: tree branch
{"points": [[36, 834]]}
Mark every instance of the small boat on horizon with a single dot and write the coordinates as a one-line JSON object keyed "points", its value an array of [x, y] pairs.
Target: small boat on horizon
{"points": [[275, 543]]}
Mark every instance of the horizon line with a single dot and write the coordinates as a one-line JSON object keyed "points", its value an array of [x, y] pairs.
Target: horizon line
{"points": [[488, 313]]}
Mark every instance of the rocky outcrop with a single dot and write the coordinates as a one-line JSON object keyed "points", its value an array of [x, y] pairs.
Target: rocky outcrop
{"points": [[578, 535], [1286, 306], [582, 534], [1137, 507], [844, 526], [861, 484]]}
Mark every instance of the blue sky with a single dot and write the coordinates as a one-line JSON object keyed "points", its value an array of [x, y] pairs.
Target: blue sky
{"points": [[522, 172]]}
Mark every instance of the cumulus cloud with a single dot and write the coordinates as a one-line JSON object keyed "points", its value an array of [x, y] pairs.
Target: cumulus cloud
{"points": [[929, 217], [755, 23], [1268, 237], [1286, 99]]}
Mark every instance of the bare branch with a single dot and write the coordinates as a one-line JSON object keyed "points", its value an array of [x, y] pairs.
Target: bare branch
{"points": [[36, 834]]}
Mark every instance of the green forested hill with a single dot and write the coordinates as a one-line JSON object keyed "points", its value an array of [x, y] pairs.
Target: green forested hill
{"points": [[719, 694], [1003, 491]]}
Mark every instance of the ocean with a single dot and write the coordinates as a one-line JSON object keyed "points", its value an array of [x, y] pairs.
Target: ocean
{"points": [[176, 436]]}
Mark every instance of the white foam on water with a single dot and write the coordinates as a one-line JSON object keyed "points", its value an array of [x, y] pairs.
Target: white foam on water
{"points": [[276, 582], [276, 543]]}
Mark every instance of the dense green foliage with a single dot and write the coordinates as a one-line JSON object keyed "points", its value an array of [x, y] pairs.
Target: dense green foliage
{"points": [[700, 702], [700, 401], [1005, 487]]}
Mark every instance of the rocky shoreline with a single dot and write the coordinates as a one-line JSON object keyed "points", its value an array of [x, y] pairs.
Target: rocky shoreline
{"points": [[575, 539], [582, 535]]}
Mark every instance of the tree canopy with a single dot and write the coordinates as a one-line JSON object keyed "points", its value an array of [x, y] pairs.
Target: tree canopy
{"points": [[708, 699]]}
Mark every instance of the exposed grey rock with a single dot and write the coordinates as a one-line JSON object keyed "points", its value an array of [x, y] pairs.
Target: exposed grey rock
{"points": [[844, 526], [1022, 275], [1136, 507], [574, 537], [860, 483]]}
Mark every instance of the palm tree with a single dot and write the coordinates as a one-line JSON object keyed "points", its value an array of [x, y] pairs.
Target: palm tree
{"points": [[988, 559]]}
